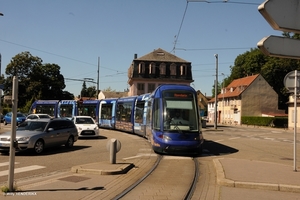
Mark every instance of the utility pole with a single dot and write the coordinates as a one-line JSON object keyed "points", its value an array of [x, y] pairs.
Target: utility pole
{"points": [[98, 77], [216, 94]]}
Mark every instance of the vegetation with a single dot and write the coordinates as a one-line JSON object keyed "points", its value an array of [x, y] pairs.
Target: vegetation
{"points": [[277, 122], [273, 69]]}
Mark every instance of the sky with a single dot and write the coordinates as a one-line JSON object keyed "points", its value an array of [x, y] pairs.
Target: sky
{"points": [[83, 35]]}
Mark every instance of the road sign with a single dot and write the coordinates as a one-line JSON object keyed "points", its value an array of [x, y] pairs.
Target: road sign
{"points": [[289, 81], [282, 14], [280, 47]]}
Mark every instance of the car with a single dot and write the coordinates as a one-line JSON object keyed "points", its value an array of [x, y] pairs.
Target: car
{"points": [[39, 134], [20, 118], [37, 116], [86, 126]]}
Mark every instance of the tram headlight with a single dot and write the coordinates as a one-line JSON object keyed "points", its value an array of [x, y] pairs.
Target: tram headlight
{"points": [[165, 137]]}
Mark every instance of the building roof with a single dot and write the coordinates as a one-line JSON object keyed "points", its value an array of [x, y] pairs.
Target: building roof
{"points": [[161, 56], [238, 86]]}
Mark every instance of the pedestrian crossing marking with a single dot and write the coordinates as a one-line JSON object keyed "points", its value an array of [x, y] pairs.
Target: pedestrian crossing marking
{"points": [[22, 169], [6, 163]]}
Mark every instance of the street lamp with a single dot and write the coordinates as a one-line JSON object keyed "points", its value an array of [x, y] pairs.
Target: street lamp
{"points": [[216, 93], [223, 98]]}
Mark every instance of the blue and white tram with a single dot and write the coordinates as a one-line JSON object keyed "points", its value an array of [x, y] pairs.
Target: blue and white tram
{"points": [[140, 114], [67, 109], [125, 114], [174, 125], [89, 108], [44, 107], [107, 110]]}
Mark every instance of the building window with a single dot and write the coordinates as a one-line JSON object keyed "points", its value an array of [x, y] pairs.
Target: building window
{"points": [[151, 87], [140, 86], [152, 68], [162, 68], [173, 69], [183, 70], [142, 68]]}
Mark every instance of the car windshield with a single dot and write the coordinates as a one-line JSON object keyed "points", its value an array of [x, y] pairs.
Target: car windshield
{"points": [[44, 116], [84, 121], [32, 126], [20, 115]]}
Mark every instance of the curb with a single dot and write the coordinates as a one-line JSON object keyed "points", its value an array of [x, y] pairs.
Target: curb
{"points": [[84, 169], [222, 180]]}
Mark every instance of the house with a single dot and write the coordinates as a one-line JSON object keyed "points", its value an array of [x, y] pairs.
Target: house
{"points": [[108, 95], [202, 103], [248, 96], [155, 68]]}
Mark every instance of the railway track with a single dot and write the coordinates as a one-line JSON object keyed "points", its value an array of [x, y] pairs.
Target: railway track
{"points": [[171, 177]]}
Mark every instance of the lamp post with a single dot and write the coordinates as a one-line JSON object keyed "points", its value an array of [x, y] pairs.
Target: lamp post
{"points": [[216, 93], [223, 98]]}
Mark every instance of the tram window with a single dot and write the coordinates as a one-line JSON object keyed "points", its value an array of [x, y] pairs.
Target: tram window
{"points": [[156, 115]]}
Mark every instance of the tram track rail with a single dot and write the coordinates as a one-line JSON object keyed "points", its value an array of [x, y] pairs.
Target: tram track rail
{"points": [[193, 178]]}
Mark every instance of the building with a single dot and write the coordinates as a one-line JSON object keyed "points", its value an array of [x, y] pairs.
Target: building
{"points": [[155, 68], [248, 96]]}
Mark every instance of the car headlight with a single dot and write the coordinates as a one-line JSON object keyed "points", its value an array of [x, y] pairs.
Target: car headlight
{"points": [[24, 139]]}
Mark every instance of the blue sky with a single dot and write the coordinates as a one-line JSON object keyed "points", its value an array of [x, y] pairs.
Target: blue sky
{"points": [[74, 33]]}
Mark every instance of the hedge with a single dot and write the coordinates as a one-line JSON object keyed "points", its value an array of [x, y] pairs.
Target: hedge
{"points": [[278, 122]]}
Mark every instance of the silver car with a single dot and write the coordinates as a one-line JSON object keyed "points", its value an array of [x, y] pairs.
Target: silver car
{"points": [[40, 134]]}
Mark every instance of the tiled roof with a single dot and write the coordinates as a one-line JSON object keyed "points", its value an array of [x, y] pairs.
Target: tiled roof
{"points": [[236, 87], [162, 56]]}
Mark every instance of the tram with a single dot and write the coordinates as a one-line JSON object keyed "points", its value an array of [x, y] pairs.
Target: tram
{"points": [[174, 124], [49, 107]]}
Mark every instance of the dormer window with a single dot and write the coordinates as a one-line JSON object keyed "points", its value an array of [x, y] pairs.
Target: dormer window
{"points": [[152, 68], [142, 68], [183, 70], [162, 68], [173, 69]]}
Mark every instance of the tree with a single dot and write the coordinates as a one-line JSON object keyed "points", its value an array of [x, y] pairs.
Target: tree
{"points": [[271, 68], [36, 80]]}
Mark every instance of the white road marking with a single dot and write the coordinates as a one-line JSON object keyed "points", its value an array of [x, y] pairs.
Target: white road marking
{"points": [[234, 138], [22, 169], [6, 163]]}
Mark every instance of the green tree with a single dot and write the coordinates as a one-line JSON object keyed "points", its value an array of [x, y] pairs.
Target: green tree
{"points": [[36, 80], [273, 69], [84, 92]]}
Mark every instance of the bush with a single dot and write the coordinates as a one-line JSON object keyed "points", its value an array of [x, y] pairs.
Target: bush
{"points": [[278, 122]]}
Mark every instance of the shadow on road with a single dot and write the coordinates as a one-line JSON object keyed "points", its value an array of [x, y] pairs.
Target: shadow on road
{"points": [[217, 149]]}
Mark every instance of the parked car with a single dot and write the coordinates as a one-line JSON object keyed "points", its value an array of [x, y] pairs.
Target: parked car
{"points": [[40, 134], [86, 126], [38, 116], [20, 118]]}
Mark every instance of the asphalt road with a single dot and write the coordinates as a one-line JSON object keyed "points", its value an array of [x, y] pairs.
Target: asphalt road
{"points": [[263, 144], [28, 164]]}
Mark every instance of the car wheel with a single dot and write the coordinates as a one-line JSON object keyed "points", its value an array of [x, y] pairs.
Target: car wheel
{"points": [[70, 142], [39, 147], [5, 123]]}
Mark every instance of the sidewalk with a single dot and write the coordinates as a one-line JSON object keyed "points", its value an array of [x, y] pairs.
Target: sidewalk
{"points": [[252, 174]]}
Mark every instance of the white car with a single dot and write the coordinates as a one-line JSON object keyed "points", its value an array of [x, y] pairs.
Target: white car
{"points": [[38, 116], [86, 126]]}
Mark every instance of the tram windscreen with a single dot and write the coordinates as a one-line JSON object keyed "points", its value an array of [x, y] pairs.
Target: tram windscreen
{"points": [[180, 112]]}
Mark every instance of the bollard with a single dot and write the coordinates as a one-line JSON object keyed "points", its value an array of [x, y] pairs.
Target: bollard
{"points": [[113, 151], [113, 146]]}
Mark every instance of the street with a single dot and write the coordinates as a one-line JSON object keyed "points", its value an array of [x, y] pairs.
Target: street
{"points": [[86, 150], [241, 142]]}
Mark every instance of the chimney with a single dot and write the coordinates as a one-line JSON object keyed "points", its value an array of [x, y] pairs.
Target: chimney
{"points": [[135, 56]]}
